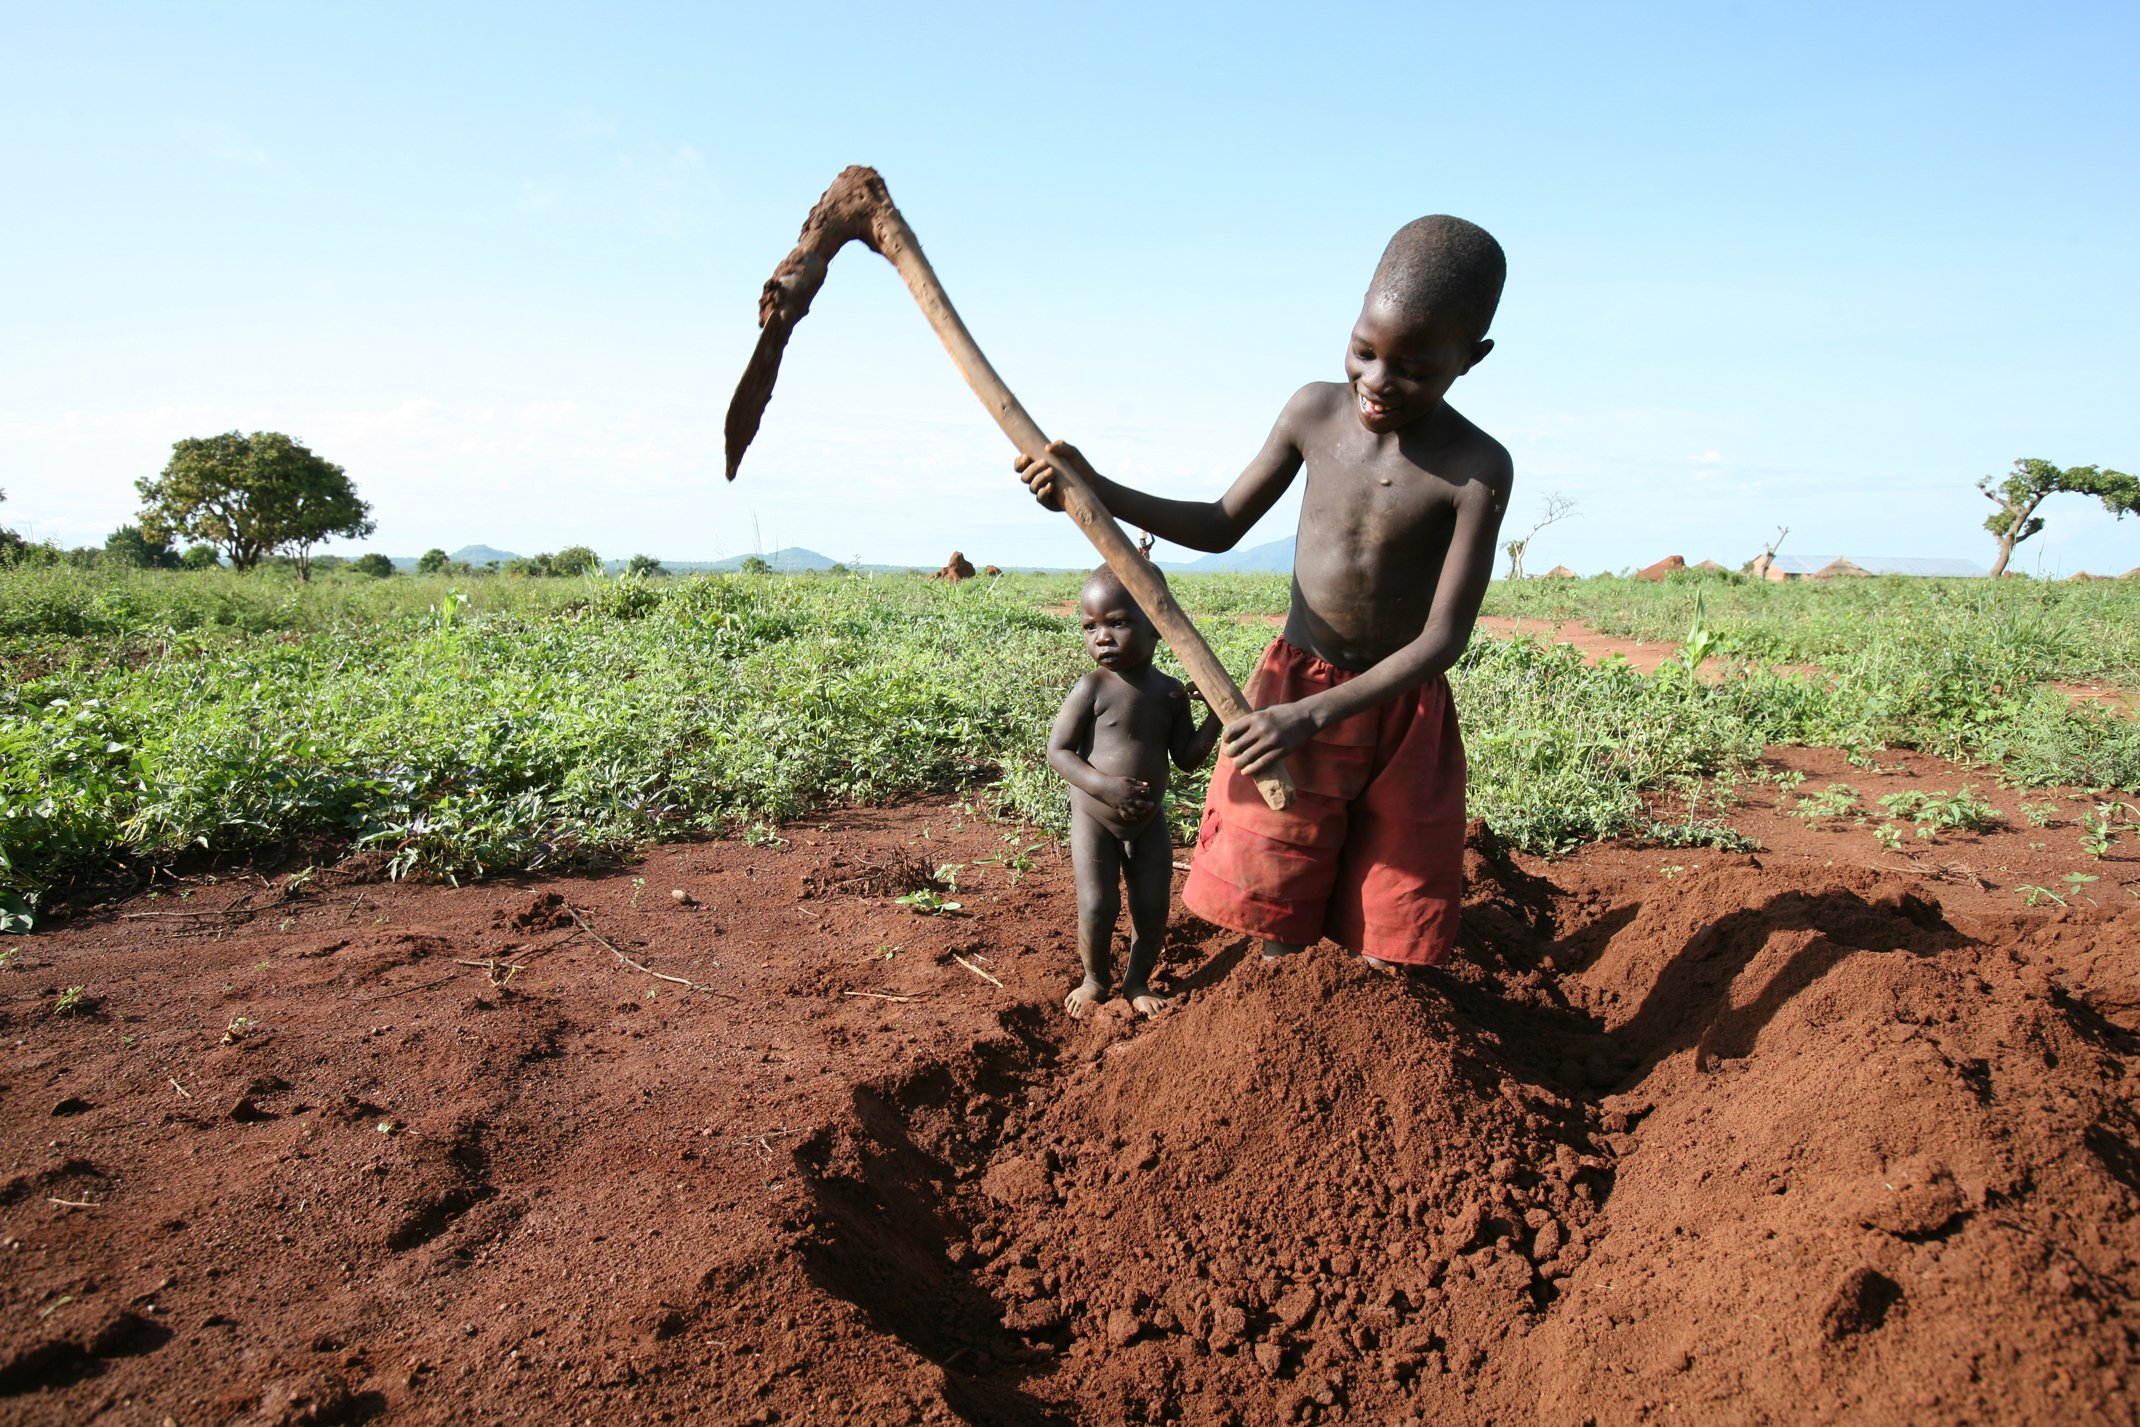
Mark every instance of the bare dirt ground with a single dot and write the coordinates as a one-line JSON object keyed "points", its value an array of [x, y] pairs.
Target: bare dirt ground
{"points": [[1817, 1133], [1642, 656]]}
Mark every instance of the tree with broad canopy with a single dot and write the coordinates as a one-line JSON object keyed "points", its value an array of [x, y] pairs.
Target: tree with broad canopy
{"points": [[251, 496], [2031, 480]]}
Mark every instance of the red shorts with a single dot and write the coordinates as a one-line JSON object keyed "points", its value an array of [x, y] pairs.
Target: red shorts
{"points": [[1371, 854]]}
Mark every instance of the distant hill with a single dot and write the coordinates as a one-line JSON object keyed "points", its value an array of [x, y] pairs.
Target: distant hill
{"points": [[1276, 557], [787, 559], [481, 555]]}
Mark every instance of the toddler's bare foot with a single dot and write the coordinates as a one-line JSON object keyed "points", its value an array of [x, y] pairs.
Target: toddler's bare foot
{"points": [[1272, 950], [1088, 993], [1145, 1001]]}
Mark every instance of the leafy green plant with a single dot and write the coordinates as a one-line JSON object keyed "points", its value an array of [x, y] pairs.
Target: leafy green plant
{"points": [[927, 900], [1702, 643], [1960, 809], [2099, 828], [1837, 800], [72, 1001], [2040, 814]]}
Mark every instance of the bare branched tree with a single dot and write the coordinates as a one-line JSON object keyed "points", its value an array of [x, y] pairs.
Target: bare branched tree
{"points": [[1558, 508]]}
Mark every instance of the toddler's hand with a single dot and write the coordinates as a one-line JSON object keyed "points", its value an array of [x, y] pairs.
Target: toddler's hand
{"points": [[1131, 798], [1196, 695]]}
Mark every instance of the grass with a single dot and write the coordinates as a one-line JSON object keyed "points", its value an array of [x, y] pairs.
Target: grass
{"points": [[506, 724]]}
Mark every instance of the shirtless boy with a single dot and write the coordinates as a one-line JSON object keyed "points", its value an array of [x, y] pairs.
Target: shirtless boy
{"points": [[1111, 742], [1397, 525]]}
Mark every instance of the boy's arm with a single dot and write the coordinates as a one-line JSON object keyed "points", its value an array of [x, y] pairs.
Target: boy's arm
{"points": [[1200, 525], [1191, 742], [1269, 734], [1130, 797]]}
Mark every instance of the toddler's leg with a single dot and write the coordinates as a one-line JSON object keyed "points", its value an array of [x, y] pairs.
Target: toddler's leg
{"points": [[1150, 872], [1096, 858]]}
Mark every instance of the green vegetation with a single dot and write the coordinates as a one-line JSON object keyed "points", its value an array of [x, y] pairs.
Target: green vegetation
{"points": [[462, 729], [1962, 809]]}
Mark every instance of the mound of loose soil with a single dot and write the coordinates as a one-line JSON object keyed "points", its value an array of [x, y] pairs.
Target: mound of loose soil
{"points": [[1674, 1135]]}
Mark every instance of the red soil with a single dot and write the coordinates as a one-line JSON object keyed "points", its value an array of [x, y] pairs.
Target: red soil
{"points": [[1675, 1136]]}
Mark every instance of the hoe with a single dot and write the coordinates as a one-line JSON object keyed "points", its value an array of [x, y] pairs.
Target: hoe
{"points": [[858, 207]]}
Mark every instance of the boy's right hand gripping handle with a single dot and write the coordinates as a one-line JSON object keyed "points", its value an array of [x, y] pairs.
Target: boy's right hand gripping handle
{"points": [[1274, 783]]}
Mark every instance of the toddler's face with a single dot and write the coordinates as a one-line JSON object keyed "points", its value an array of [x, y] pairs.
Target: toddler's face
{"points": [[1117, 635]]}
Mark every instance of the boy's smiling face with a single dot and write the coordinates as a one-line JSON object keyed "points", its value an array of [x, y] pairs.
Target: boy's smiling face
{"points": [[1401, 366], [1117, 635]]}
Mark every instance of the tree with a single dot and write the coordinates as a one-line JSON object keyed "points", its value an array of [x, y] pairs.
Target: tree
{"points": [[128, 546], [202, 556], [10, 543], [645, 566], [1558, 508], [2022, 491], [576, 560], [372, 564], [433, 561], [756, 565], [251, 496]]}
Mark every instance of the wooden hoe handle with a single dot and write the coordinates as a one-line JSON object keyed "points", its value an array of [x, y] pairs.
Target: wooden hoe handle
{"points": [[858, 206]]}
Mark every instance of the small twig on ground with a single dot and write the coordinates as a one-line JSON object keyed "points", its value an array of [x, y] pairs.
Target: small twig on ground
{"points": [[70, 1203], [178, 1087], [885, 995], [189, 916], [494, 966], [1181, 867], [604, 942], [763, 1139], [975, 970]]}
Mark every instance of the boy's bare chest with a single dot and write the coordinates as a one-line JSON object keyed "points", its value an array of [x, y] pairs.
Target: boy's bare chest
{"points": [[1373, 495]]}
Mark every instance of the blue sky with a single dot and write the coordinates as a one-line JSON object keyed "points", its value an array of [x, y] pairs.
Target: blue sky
{"points": [[1811, 265]]}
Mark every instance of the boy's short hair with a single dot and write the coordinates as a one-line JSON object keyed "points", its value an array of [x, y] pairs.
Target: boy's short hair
{"points": [[1446, 266]]}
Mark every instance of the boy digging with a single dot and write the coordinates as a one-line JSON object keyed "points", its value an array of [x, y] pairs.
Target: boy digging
{"points": [[1111, 743], [1396, 542]]}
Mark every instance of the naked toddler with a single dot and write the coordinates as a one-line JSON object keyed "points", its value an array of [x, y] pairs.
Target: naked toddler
{"points": [[1112, 742]]}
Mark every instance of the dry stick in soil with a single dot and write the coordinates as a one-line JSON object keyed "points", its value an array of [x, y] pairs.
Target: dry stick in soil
{"points": [[858, 207], [606, 945], [494, 966], [975, 969]]}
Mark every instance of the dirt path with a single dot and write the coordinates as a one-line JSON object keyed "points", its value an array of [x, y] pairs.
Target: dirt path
{"points": [[1678, 1135]]}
